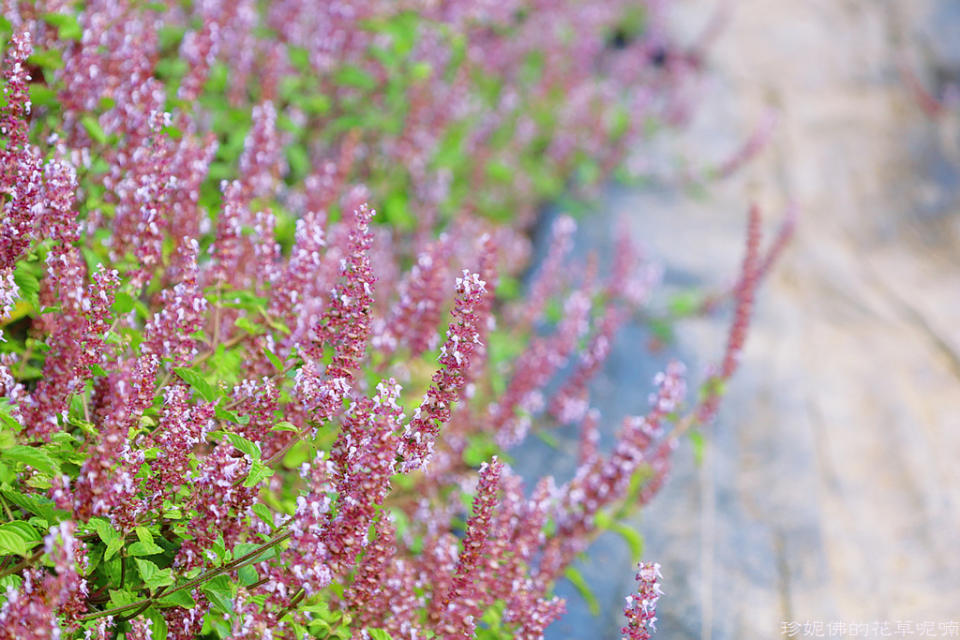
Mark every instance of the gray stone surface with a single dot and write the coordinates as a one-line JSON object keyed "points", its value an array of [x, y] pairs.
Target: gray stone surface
{"points": [[830, 488]]}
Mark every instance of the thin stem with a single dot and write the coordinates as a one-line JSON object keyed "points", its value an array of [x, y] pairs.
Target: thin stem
{"points": [[293, 603], [23, 564], [190, 584]]}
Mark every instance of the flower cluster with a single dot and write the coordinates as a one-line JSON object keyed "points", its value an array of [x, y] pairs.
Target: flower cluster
{"points": [[234, 402], [34, 609], [463, 338], [641, 607]]}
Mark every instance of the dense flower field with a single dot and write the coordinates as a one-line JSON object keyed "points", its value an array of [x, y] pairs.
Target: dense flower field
{"points": [[238, 402]]}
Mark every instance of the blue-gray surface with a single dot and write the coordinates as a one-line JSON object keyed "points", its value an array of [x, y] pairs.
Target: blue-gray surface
{"points": [[830, 490]]}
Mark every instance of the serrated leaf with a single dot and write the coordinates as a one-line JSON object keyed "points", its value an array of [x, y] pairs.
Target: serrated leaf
{"points": [[244, 445], [219, 592], [112, 547], [11, 542], [263, 512], [258, 473], [153, 576], [7, 421], [122, 597], [284, 426], [37, 505], [144, 535], [33, 456], [27, 533], [104, 529], [144, 549], [178, 599], [27, 282], [113, 569], [247, 575], [196, 380]]}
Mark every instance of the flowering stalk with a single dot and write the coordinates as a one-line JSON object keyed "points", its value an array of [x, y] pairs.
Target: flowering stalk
{"points": [[641, 607]]}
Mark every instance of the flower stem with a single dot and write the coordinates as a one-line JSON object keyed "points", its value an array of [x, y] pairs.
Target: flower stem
{"points": [[142, 605]]}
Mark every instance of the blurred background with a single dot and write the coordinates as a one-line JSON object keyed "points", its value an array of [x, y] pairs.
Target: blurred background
{"points": [[829, 488]]}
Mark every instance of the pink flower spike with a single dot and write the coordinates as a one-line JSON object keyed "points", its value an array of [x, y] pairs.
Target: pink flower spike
{"points": [[641, 607], [463, 339]]}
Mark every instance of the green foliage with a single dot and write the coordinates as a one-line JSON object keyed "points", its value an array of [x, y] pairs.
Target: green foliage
{"points": [[583, 588]]}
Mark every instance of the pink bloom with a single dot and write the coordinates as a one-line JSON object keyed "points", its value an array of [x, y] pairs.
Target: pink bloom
{"points": [[344, 326], [641, 607], [448, 383]]}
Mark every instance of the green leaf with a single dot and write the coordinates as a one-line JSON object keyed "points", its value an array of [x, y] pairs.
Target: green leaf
{"points": [[113, 569], [576, 578], [27, 282], [158, 625], [108, 535], [11, 542], [230, 416], [219, 592], [298, 159], [178, 599], [284, 426], [104, 529], [244, 445], [93, 128], [144, 535], [123, 303], [258, 473], [548, 438], [68, 28], [355, 77], [196, 380], [112, 547], [244, 323], [7, 421], [696, 439], [144, 549], [247, 575], [379, 634], [153, 576], [685, 303], [46, 58], [43, 96], [122, 597], [632, 537], [397, 213], [27, 533], [33, 456], [263, 512], [40, 506], [274, 360]]}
